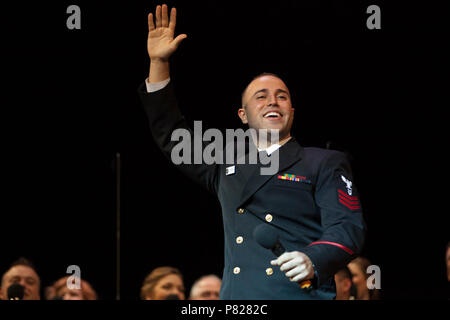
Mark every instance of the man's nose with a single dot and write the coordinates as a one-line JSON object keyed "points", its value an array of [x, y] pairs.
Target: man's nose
{"points": [[23, 283], [272, 101]]}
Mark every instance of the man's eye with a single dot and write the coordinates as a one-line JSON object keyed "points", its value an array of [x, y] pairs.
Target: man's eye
{"points": [[282, 97], [15, 279], [260, 97]]}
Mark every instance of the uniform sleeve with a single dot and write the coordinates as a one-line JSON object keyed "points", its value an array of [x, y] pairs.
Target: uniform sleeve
{"points": [[164, 117], [341, 217]]}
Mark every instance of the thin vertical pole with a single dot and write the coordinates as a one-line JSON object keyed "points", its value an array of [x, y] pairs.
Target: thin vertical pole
{"points": [[118, 226]]}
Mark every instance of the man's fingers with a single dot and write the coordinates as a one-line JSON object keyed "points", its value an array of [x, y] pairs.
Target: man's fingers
{"points": [[151, 25], [283, 258], [297, 261], [164, 17], [299, 277], [178, 39], [295, 271], [158, 16], [289, 265], [295, 265], [173, 19]]}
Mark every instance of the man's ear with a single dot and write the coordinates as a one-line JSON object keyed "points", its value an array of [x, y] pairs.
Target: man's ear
{"points": [[243, 115]]}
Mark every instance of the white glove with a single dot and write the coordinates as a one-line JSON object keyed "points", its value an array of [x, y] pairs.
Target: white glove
{"points": [[296, 265]]}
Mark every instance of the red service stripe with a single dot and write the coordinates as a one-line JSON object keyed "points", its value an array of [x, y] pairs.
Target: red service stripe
{"points": [[351, 202], [349, 206], [349, 251], [347, 196]]}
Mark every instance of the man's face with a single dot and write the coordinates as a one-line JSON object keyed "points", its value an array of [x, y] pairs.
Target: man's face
{"points": [[267, 105], [24, 276], [207, 289]]}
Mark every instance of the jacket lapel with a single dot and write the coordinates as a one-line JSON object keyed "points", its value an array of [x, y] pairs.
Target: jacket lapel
{"points": [[288, 154]]}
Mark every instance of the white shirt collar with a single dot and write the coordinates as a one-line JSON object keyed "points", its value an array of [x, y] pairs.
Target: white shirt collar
{"points": [[271, 149]]}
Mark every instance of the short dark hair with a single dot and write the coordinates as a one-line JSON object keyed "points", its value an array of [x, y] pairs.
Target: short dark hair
{"points": [[264, 74], [22, 261]]}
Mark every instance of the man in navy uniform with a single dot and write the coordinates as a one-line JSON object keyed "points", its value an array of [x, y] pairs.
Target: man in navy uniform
{"points": [[311, 201]]}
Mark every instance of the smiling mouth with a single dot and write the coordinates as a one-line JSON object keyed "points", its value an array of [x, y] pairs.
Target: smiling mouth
{"points": [[272, 115]]}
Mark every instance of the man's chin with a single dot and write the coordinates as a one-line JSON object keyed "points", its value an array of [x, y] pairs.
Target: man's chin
{"points": [[273, 126], [29, 297]]}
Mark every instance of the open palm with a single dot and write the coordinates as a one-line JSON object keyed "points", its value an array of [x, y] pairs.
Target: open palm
{"points": [[160, 42]]}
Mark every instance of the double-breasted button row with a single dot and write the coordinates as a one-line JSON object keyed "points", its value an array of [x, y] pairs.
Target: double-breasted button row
{"points": [[240, 239], [237, 270], [269, 218]]}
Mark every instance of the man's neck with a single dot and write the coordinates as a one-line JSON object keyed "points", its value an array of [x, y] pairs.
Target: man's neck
{"points": [[284, 140], [280, 143]]}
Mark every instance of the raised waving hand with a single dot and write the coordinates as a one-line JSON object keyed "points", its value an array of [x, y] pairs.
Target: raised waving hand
{"points": [[161, 43]]}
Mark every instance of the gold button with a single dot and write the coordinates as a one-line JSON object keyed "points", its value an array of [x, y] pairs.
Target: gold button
{"points": [[239, 239], [236, 270], [269, 217], [240, 211], [269, 271]]}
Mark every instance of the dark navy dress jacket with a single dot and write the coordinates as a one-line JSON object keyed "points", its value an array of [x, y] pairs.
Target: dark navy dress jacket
{"points": [[311, 202]]}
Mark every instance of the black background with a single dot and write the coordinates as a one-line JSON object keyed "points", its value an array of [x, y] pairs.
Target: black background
{"points": [[69, 105]]}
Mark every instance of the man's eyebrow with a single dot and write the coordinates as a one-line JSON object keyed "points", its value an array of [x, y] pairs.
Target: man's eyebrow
{"points": [[281, 90], [265, 91], [259, 91]]}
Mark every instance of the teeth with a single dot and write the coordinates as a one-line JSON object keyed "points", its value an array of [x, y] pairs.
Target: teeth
{"points": [[276, 114]]}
